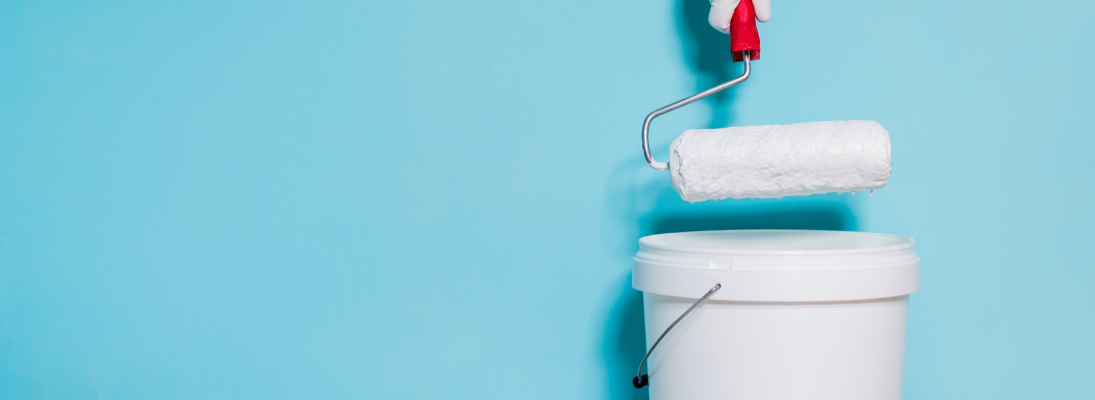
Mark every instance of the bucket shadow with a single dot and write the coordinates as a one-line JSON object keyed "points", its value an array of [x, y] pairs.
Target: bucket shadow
{"points": [[643, 203], [624, 341]]}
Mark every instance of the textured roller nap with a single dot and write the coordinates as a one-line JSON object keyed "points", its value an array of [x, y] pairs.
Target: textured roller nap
{"points": [[780, 160]]}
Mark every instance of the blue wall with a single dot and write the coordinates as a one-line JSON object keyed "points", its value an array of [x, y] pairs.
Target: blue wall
{"points": [[440, 199]]}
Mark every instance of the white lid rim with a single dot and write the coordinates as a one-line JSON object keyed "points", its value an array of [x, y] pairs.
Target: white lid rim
{"points": [[646, 243], [779, 286]]}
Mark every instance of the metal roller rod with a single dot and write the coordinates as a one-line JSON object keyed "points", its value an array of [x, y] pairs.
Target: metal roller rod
{"points": [[660, 166]]}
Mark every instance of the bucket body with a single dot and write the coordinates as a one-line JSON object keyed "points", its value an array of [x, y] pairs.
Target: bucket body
{"points": [[801, 314]]}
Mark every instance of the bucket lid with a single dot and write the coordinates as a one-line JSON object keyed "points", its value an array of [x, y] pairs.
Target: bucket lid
{"points": [[777, 265]]}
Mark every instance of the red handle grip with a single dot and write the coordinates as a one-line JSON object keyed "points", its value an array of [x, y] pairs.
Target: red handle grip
{"points": [[743, 31]]}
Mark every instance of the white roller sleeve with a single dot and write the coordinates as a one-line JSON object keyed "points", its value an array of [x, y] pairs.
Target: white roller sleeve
{"points": [[780, 160]]}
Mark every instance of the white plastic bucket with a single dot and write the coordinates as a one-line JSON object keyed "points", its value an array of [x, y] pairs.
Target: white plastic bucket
{"points": [[800, 314]]}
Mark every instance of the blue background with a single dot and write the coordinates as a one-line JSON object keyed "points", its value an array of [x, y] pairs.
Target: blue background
{"points": [[440, 199]]}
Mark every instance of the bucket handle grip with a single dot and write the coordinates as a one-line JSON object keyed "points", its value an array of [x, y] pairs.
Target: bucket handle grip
{"points": [[642, 379]]}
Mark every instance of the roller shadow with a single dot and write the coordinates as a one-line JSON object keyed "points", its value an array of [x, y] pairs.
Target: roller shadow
{"points": [[829, 216]]}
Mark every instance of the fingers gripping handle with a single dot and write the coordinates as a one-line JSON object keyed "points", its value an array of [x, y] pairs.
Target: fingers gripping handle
{"points": [[743, 32]]}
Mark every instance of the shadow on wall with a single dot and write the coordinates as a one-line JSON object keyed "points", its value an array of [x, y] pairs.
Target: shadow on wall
{"points": [[825, 216], [641, 201], [707, 54], [625, 339]]}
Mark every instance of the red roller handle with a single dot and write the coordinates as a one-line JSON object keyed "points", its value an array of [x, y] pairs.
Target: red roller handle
{"points": [[743, 31]]}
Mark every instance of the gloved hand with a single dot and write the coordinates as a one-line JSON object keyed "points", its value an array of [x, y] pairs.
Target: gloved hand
{"points": [[723, 10]]}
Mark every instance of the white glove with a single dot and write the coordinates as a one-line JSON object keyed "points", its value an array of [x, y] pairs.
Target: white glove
{"points": [[723, 10]]}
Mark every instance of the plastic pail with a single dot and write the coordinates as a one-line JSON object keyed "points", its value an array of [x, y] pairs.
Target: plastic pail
{"points": [[800, 314]]}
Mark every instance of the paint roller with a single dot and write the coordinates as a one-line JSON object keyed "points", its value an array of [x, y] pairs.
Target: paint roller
{"points": [[772, 160]]}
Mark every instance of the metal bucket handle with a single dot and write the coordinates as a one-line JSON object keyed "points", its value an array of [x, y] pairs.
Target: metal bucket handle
{"points": [[641, 380]]}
